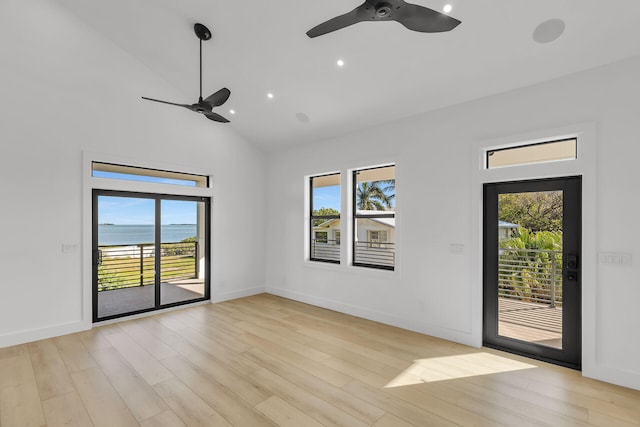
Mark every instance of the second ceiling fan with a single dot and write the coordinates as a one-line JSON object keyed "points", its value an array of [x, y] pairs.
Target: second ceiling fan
{"points": [[412, 16]]}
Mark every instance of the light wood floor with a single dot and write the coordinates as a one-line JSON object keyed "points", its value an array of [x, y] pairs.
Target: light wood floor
{"points": [[266, 361]]}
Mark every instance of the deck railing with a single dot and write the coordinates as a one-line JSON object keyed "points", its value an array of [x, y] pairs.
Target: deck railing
{"points": [[531, 275], [325, 250], [124, 266], [368, 253], [381, 254]]}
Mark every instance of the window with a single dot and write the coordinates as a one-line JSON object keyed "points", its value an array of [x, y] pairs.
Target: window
{"points": [[324, 216], [322, 237], [376, 237], [374, 219], [132, 173], [552, 151]]}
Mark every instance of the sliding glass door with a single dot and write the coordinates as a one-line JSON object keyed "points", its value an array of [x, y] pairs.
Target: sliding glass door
{"points": [[150, 251]]}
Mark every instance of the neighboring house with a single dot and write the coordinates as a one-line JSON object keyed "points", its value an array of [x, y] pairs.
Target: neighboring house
{"points": [[374, 231], [375, 240], [506, 230]]}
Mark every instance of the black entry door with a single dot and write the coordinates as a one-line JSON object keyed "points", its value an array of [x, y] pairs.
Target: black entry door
{"points": [[532, 271]]}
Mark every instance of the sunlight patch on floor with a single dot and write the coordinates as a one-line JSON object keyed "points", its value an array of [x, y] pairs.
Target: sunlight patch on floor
{"points": [[455, 367]]}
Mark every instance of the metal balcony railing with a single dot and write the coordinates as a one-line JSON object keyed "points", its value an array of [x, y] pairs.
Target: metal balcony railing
{"points": [[325, 250], [124, 266], [530, 275], [373, 253]]}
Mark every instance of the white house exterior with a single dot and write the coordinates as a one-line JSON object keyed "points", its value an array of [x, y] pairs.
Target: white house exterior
{"points": [[375, 239]]}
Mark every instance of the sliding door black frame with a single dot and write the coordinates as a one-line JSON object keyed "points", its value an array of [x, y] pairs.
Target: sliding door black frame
{"points": [[158, 198]]}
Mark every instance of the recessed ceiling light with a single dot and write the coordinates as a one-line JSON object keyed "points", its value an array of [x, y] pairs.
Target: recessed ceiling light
{"points": [[232, 111], [270, 95], [340, 63], [549, 31], [447, 8]]}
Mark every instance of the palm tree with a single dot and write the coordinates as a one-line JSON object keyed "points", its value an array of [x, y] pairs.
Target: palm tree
{"points": [[375, 195]]}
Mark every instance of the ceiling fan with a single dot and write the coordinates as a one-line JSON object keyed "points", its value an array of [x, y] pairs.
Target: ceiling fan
{"points": [[412, 16], [204, 106]]}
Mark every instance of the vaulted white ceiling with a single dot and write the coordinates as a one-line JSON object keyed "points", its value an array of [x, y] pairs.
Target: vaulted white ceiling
{"points": [[260, 46]]}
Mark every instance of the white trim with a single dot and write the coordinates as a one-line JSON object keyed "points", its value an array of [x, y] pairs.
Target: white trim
{"points": [[89, 183], [37, 334], [242, 293], [585, 166]]}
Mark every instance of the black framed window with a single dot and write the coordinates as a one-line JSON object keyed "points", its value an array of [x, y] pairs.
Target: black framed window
{"points": [[374, 217], [324, 213]]}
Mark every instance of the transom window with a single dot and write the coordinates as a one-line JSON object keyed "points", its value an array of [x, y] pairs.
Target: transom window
{"points": [[552, 151], [133, 173]]}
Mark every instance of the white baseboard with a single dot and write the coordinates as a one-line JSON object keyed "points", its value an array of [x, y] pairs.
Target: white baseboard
{"points": [[31, 335], [613, 375], [377, 316], [237, 294]]}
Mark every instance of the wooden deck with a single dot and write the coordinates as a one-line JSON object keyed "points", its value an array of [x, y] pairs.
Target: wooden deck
{"points": [[532, 322]]}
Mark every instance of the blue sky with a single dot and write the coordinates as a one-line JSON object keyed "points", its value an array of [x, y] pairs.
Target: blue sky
{"points": [[327, 197], [139, 211]]}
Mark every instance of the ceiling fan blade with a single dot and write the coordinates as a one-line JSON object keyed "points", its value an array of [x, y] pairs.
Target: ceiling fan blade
{"points": [[170, 103], [219, 98], [425, 20], [356, 15], [216, 117]]}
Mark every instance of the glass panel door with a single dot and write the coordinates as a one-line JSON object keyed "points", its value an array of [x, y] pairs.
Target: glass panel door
{"points": [[124, 255], [530, 267], [182, 256], [532, 245], [150, 251]]}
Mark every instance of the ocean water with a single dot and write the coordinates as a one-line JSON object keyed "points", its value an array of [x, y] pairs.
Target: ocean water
{"points": [[136, 234]]}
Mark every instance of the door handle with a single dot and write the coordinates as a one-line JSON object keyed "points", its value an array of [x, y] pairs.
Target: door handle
{"points": [[572, 262]]}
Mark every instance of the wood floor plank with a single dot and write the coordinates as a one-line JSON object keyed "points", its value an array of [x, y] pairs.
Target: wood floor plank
{"points": [[104, 405], [234, 377], [389, 420], [321, 370], [192, 410], [303, 400], [144, 363], [74, 353], [222, 400], [146, 340], [165, 419], [136, 393], [337, 397], [50, 371], [285, 415], [66, 410], [400, 408], [302, 348], [20, 406]]}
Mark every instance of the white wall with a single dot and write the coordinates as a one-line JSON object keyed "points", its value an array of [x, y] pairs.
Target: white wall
{"points": [[65, 90], [433, 290]]}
